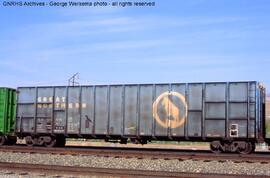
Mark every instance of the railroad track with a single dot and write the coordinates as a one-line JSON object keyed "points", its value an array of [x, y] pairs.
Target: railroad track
{"points": [[143, 153], [87, 171]]}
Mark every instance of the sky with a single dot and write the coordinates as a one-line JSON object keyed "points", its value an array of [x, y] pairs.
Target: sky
{"points": [[174, 41]]}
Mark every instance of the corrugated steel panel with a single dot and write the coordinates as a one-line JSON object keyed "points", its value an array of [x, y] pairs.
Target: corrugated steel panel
{"points": [[188, 110], [7, 110]]}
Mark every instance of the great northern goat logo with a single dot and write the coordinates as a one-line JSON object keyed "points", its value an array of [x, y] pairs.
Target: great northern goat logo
{"points": [[170, 113]]}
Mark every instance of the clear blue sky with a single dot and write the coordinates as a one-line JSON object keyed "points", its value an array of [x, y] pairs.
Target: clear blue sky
{"points": [[176, 41]]}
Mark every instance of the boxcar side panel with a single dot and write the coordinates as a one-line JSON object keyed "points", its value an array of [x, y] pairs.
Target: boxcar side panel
{"points": [[74, 105], [146, 117], [130, 109], [115, 120], [180, 104], [238, 109], [26, 100], [87, 111], [44, 110], [215, 109], [101, 110], [60, 110], [195, 98], [162, 114]]}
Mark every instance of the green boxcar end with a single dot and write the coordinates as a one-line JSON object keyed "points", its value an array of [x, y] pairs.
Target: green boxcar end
{"points": [[7, 111]]}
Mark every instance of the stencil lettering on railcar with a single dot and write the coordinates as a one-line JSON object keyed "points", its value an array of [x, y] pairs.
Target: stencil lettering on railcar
{"points": [[173, 107], [60, 103]]}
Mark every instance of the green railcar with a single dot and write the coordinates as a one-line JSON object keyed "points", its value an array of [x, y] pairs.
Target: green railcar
{"points": [[7, 116]]}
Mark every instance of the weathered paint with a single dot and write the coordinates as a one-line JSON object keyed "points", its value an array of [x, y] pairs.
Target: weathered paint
{"points": [[189, 110]]}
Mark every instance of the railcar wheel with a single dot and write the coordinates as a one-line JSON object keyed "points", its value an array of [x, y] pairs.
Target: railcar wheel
{"points": [[2, 140], [215, 147], [50, 143], [29, 141], [245, 148]]}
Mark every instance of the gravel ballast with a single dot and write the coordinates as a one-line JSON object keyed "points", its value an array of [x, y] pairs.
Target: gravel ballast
{"points": [[227, 167]]}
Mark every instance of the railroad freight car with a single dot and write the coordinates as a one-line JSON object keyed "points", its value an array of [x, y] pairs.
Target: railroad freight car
{"points": [[7, 116], [230, 115]]}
